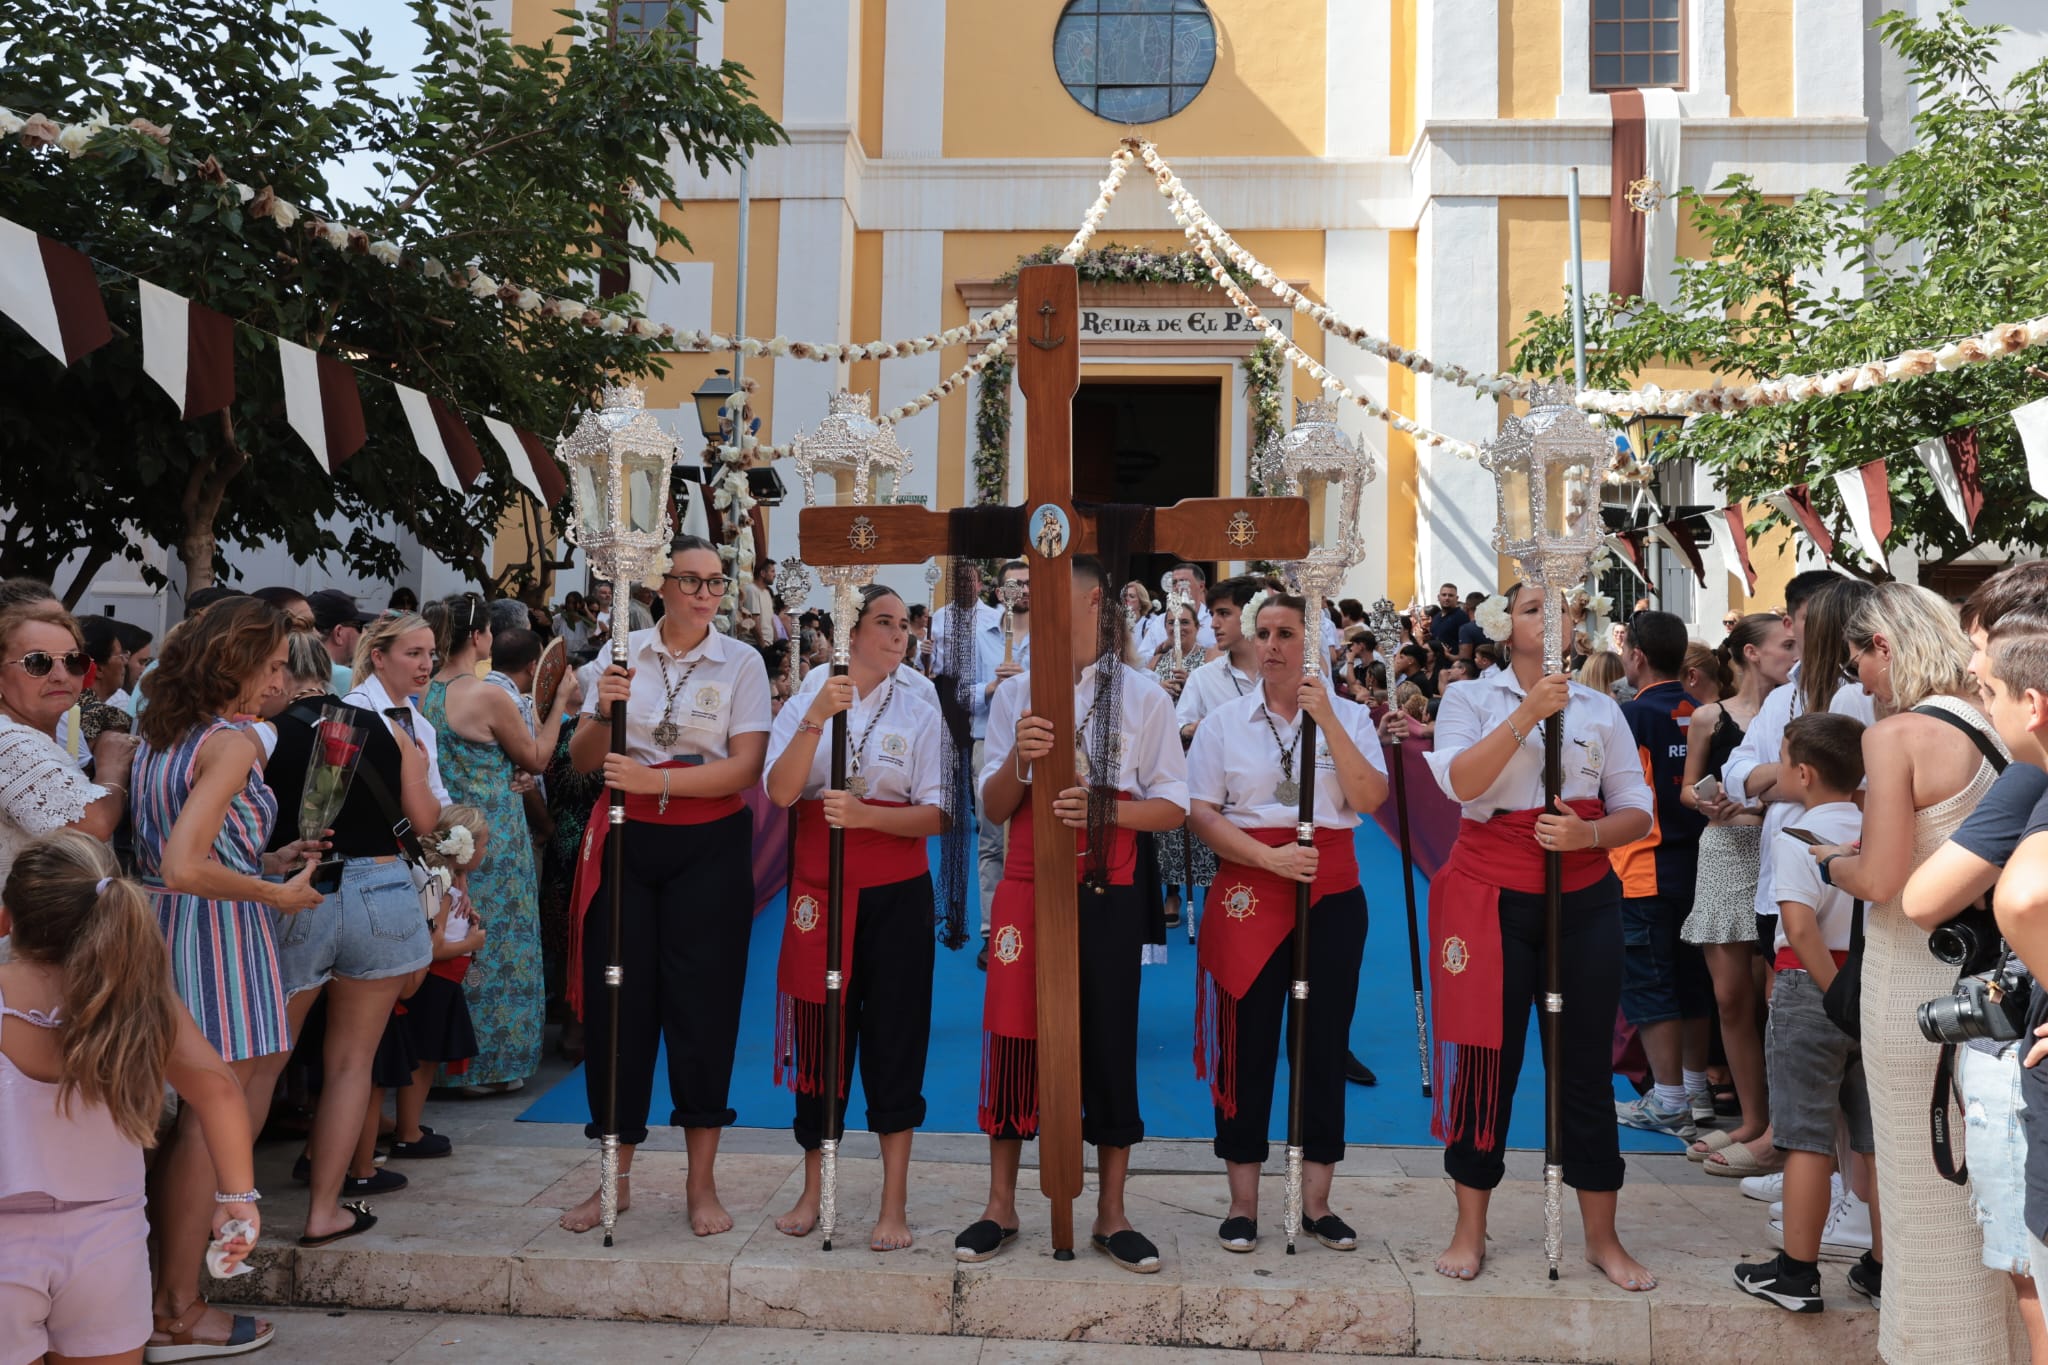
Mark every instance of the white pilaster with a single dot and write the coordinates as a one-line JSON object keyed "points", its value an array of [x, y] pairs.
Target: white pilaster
{"points": [[821, 63], [1457, 288], [1355, 112], [813, 301], [1356, 286], [1827, 46], [710, 35], [913, 83], [1458, 53], [913, 289]]}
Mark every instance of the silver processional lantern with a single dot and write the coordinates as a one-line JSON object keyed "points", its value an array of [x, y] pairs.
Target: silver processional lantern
{"points": [[1321, 462], [1548, 466], [857, 451], [619, 460]]}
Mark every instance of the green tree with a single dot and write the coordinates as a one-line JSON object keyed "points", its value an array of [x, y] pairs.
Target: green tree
{"points": [[1947, 239], [542, 165]]}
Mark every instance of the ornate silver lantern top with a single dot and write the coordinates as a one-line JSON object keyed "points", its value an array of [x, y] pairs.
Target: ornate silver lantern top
{"points": [[854, 448], [619, 460], [1320, 462], [1384, 621]]}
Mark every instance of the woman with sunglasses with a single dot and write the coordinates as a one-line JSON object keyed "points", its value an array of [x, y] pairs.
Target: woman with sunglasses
{"points": [[697, 721], [485, 743], [42, 671]]}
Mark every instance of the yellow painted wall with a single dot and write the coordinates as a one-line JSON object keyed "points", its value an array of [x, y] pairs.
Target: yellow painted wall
{"points": [[1004, 99], [874, 22], [1400, 76], [1401, 470], [1760, 58], [865, 376], [1531, 47], [754, 32], [713, 230]]}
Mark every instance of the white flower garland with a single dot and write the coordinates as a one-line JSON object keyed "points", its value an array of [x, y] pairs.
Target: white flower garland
{"points": [[1493, 618], [1119, 167]]}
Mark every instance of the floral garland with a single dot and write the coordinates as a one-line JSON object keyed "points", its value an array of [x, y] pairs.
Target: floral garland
{"points": [[992, 432], [1117, 263], [1261, 366]]}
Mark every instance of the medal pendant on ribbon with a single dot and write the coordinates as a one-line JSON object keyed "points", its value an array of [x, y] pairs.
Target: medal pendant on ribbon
{"points": [[857, 785], [666, 734], [1082, 775], [1288, 793]]}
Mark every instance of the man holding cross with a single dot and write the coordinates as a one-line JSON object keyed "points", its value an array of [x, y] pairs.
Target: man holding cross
{"points": [[1127, 751]]}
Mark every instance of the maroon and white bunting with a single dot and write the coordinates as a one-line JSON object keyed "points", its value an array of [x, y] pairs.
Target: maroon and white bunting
{"points": [[189, 350], [1677, 536], [1951, 462], [426, 434], [1631, 547], [531, 462], [50, 292], [1738, 538], [455, 438], [1867, 498], [322, 403], [1796, 505]]}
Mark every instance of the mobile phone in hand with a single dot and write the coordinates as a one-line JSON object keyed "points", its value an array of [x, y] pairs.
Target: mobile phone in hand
{"points": [[1805, 836], [1708, 788], [401, 716]]}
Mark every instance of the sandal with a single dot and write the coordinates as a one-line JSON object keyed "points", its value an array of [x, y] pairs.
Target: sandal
{"points": [[1711, 1141], [1238, 1234], [1736, 1160], [242, 1337], [1332, 1231], [982, 1241], [364, 1220], [1130, 1250]]}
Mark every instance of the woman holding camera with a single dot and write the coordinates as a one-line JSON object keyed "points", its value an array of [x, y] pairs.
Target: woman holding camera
{"points": [[1928, 763]]}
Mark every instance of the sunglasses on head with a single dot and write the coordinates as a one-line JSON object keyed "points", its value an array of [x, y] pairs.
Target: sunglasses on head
{"points": [[38, 663]]}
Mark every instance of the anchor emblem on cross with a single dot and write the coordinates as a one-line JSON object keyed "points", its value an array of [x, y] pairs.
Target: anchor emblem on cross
{"points": [[1045, 340], [1241, 530], [861, 536]]}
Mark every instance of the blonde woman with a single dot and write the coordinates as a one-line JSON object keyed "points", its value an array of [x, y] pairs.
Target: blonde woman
{"points": [[1928, 763]]}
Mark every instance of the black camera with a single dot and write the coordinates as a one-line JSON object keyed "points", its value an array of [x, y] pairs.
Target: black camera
{"points": [[1970, 942], [1992, 1006]]}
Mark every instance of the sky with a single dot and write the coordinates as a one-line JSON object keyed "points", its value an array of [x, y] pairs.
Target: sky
{"points": [[397, 45]]}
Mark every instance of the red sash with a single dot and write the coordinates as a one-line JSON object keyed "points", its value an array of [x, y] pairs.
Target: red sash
{"points": [[1248, 914], [872, 859], [642, 810], [1489, 857], [1009, 1011]]}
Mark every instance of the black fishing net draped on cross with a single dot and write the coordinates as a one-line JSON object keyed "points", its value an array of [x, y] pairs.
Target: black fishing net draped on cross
{"points": [[1119, 529]]}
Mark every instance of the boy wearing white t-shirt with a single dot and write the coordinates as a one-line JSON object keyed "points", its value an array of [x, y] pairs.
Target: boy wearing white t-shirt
{"points": [[1816, 1068]]}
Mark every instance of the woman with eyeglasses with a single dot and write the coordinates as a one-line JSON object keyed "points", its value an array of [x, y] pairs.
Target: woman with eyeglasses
{"points": [[484, 744], [42, 671], [697, 721]]}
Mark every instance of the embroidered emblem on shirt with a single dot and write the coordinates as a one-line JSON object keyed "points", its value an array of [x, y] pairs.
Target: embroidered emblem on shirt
{"points": [[1456, 959], [896, 746], [804, 914], [1239, 902], [1008, 945], [709, 697]]}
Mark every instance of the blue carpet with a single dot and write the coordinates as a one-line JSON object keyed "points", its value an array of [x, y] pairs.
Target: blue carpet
{"points": [[1176, 1105]]}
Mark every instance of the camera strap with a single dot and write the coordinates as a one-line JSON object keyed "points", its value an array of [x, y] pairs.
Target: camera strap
{"points": [[1954, 1171]]}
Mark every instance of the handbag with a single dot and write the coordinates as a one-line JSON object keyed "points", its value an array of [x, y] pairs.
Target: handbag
{"points": [[1843, 1000]]}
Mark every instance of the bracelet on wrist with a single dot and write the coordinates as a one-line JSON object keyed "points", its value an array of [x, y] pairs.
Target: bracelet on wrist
{"points": [[1516, 730], [245, 1197]]}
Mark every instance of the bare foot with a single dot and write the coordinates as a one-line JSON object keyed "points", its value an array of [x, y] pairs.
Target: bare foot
{"points": [[1622, 1268], [590, 1212], [708, 1217], [892, 1233], [801, 1218], [1466, 1253]]}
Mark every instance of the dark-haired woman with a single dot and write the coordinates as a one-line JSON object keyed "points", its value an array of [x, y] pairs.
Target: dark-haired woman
{"points": [[1245, 772], [894, 802], [203, 817], [696, 729], [1486, 914], [484, 743], [1762, 652]]}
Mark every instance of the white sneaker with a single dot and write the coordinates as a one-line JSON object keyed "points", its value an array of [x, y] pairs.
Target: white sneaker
{"points": [[1846, 1235], [1778, 1206], [1646, 1113], [1702, 1102], [1764, 1188]]}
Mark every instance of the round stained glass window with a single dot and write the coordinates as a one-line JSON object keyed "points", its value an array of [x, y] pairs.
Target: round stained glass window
{"points": [[1134, 61]]}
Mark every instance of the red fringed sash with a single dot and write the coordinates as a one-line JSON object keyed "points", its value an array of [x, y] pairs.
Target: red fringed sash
{"points": [[1248, 915], [641, 810], [1009, 1009], [1465, 980], [872, 859]]}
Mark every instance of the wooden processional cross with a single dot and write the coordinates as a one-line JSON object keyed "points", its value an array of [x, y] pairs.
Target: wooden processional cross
{"points": [[1049, 372]]}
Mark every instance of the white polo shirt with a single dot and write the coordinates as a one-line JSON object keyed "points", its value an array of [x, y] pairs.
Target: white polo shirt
{"points": [[725, 694], [1235, 766], [1151, 762], [1796, 873], [1209, 687], [371, 696], [892, 740], [1600, 758]]}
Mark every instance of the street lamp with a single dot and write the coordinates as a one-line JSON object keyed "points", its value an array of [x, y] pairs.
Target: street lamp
{"points": [[710, 398], [619, 459]]}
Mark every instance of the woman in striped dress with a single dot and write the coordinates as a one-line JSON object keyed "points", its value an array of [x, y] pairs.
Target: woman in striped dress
{"points": [[202, 818]]}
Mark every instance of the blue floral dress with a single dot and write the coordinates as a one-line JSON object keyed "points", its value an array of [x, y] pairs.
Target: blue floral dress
{"points": [[504, 985]]}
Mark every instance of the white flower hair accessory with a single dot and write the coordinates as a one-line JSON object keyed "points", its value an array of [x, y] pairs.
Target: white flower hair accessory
{"points": [[1493, 618], [457, 845], [1259, 600]]}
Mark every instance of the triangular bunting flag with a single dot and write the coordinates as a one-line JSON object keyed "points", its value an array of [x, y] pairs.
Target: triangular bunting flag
{"points": [[426, 434], [1723, 537], [322, 403], [1630, 546], [1795, 504], [189, 350], [50, 292], [531, 463], [2032, 421], [1867, 498], [1738, 536], [552, 484], [1677, 535], [455, 438], [1962, 458]]}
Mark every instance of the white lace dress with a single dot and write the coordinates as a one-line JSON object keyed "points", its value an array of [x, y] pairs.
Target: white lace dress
{"points": [[41, 789], [1941, 1305]]}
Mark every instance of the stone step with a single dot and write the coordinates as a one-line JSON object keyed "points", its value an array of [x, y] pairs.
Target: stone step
{"points": [[477, 1234]]}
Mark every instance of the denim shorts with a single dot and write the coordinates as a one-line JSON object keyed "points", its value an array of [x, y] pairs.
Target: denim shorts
{"points": [[1996, 1146], [371, 928], [1815, 1070], [1662, 978]]}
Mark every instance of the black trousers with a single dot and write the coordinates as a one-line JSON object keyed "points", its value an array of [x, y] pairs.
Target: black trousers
{"points": [[1590, 953], [1113, 925], [888, 1011], [1336, 946], [688, 911]]}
